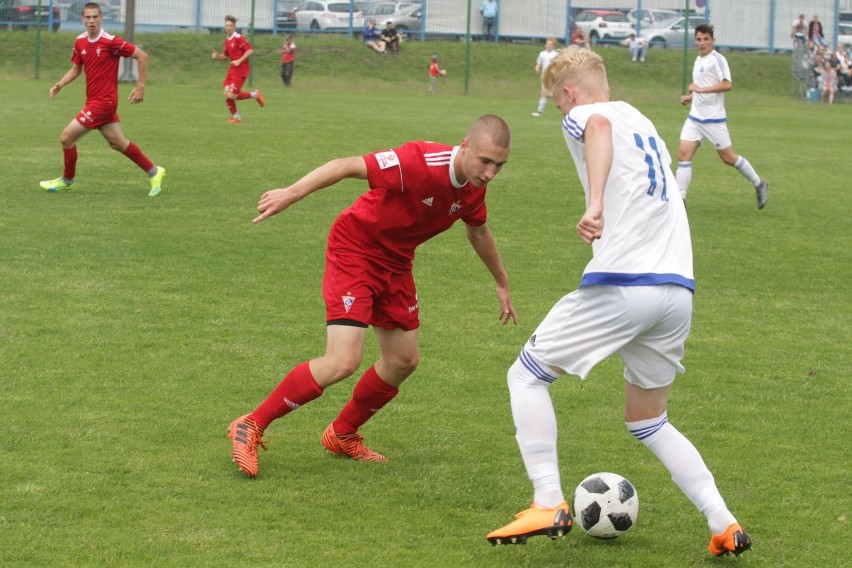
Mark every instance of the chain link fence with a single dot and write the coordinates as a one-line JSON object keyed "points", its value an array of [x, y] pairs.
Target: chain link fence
{"points": [[763, 25]]}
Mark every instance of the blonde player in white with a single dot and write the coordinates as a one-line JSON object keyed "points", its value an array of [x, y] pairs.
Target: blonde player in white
{"points": [[711, 79], [544, 58], [634, 299]]}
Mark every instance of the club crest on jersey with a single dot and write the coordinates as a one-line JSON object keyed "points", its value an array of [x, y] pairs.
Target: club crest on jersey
{"points": [[455, 207], [387, 159], [347, 302], [98, 52], [428, 201]]}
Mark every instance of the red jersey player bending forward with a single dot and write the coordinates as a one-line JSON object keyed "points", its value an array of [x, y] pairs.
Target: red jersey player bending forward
{"points": [[238, 50], [98, 53], [416, 192]]}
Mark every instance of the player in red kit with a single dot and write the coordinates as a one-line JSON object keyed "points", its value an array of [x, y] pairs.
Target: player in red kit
{"points": [[416, 192], [237, 50], [99, 53]]}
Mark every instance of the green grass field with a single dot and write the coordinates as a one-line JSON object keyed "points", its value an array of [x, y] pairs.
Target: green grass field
{"points": [[134, 329]]}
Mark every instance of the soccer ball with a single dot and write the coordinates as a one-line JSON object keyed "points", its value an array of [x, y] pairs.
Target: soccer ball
{"points": [[605, 505], [444, 72]]}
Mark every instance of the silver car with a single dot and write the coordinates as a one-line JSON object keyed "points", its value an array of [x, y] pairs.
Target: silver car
{"points": [[669, 33], [323, 15]]}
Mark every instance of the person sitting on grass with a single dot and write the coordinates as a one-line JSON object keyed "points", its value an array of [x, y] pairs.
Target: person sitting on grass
{"points": [[372, 39], [391, 37]]}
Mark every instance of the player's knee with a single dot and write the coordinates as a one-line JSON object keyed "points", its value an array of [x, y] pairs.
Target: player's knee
{"points": [[404, 364], [341, 366]]}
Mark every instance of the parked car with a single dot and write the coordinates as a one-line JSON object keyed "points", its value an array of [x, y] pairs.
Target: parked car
{"points": [[24, 13], [110, 12], [285, 19], [604, 25], [642, 19], [669, 34], [405, 16], [844, 34], [323, 15]]}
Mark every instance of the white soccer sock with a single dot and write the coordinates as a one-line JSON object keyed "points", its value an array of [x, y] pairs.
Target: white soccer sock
{"points": [[744, 167], [535, 431], [542, 102], [683, 177], [687, 468]]}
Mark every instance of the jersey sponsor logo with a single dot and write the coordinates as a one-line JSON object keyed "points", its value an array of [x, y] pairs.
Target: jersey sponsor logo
{"points": [[428, 201], [83, 52], [455, 207], [348, 301], [532, 340], [387, 159]]}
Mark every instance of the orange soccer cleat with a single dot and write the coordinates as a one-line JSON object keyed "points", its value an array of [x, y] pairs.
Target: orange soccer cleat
{"points": [[246, 435], [260, 100], [350, 445], [734, 539], [535, 521]]}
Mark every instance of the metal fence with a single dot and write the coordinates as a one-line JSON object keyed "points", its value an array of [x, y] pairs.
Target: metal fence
{"points": [[755, 25]]}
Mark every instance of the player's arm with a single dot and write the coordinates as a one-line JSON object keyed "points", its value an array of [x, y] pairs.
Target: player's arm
{"points": [[722, 86], [598, 142], [69, 76], [137, 95], [277, 200], [246, 55], [482, 241]]}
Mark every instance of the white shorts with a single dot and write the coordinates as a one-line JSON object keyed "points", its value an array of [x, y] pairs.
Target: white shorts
{"points": [[715, 132], [646, 325]]}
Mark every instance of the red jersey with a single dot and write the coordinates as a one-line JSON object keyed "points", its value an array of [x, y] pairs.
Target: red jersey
{"points": [[434, 69], [288, 52], [235, 47], [99, 58], [414, 195]]}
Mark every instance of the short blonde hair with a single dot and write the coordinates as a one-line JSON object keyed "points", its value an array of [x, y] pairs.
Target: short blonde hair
{"points": [[571, 66]]}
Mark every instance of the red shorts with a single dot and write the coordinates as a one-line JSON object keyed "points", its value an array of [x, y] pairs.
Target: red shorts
{"points": [[234, 80], [94, 115], [358, 289]]}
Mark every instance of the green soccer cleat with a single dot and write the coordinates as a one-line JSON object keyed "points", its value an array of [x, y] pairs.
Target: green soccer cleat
{"points": [[56, 184], [157, 182]]}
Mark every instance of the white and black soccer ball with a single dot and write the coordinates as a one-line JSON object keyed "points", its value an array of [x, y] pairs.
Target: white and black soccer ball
{"points": [[605, 505]]}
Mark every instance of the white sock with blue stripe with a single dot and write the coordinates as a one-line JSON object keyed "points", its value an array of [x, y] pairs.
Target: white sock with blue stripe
{"points": [[535, 428], [683, 177], [744, 167], [688, 470]]}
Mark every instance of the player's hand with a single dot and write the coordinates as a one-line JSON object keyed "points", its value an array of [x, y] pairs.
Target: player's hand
{"points": [[507, 310], [273, 202], [235, 64], [54, 90], [686, 99], [137, 95], [591, 224], [215, 55]]}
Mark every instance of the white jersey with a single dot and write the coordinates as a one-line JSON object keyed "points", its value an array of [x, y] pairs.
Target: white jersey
{"points": [[708, 71], [645, 239], [545, 58]]}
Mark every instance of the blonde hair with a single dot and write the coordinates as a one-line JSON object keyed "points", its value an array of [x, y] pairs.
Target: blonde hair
{"points": [[574, 66]]}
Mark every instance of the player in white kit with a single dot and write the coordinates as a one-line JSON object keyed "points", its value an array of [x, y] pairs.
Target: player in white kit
{"points": [[711, 79], [542, 61], [634, 299]]}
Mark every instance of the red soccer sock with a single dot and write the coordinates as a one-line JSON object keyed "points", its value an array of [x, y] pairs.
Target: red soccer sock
{"points": [[232, 106], [69, 157], [297, 388], [241, 96], [370, 395], [134, 153]]}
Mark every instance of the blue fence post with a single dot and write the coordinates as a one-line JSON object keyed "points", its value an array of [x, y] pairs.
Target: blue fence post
{"points": [[639, 18], [569, 20], [197, 15], [771, 47], [423, 21]]}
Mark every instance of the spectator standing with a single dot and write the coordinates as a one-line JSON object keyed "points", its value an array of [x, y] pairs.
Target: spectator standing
{"points": [[816, 37], [637, 47], [711, 79], [98, 53], [578, 37], [373, 39], [434, 71], [238, 50], [545, 57], [416, 191], [391, 37], [489, 10], [288, 60], [799, 33]]}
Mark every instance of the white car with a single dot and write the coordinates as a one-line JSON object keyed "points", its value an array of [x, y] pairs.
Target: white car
{"points": [[669, 34], [322, 15], [844, 33], [604, 25], [651, 18]]}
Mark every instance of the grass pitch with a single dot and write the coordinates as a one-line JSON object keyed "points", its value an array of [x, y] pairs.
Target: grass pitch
{"points": [[133, 329]]}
